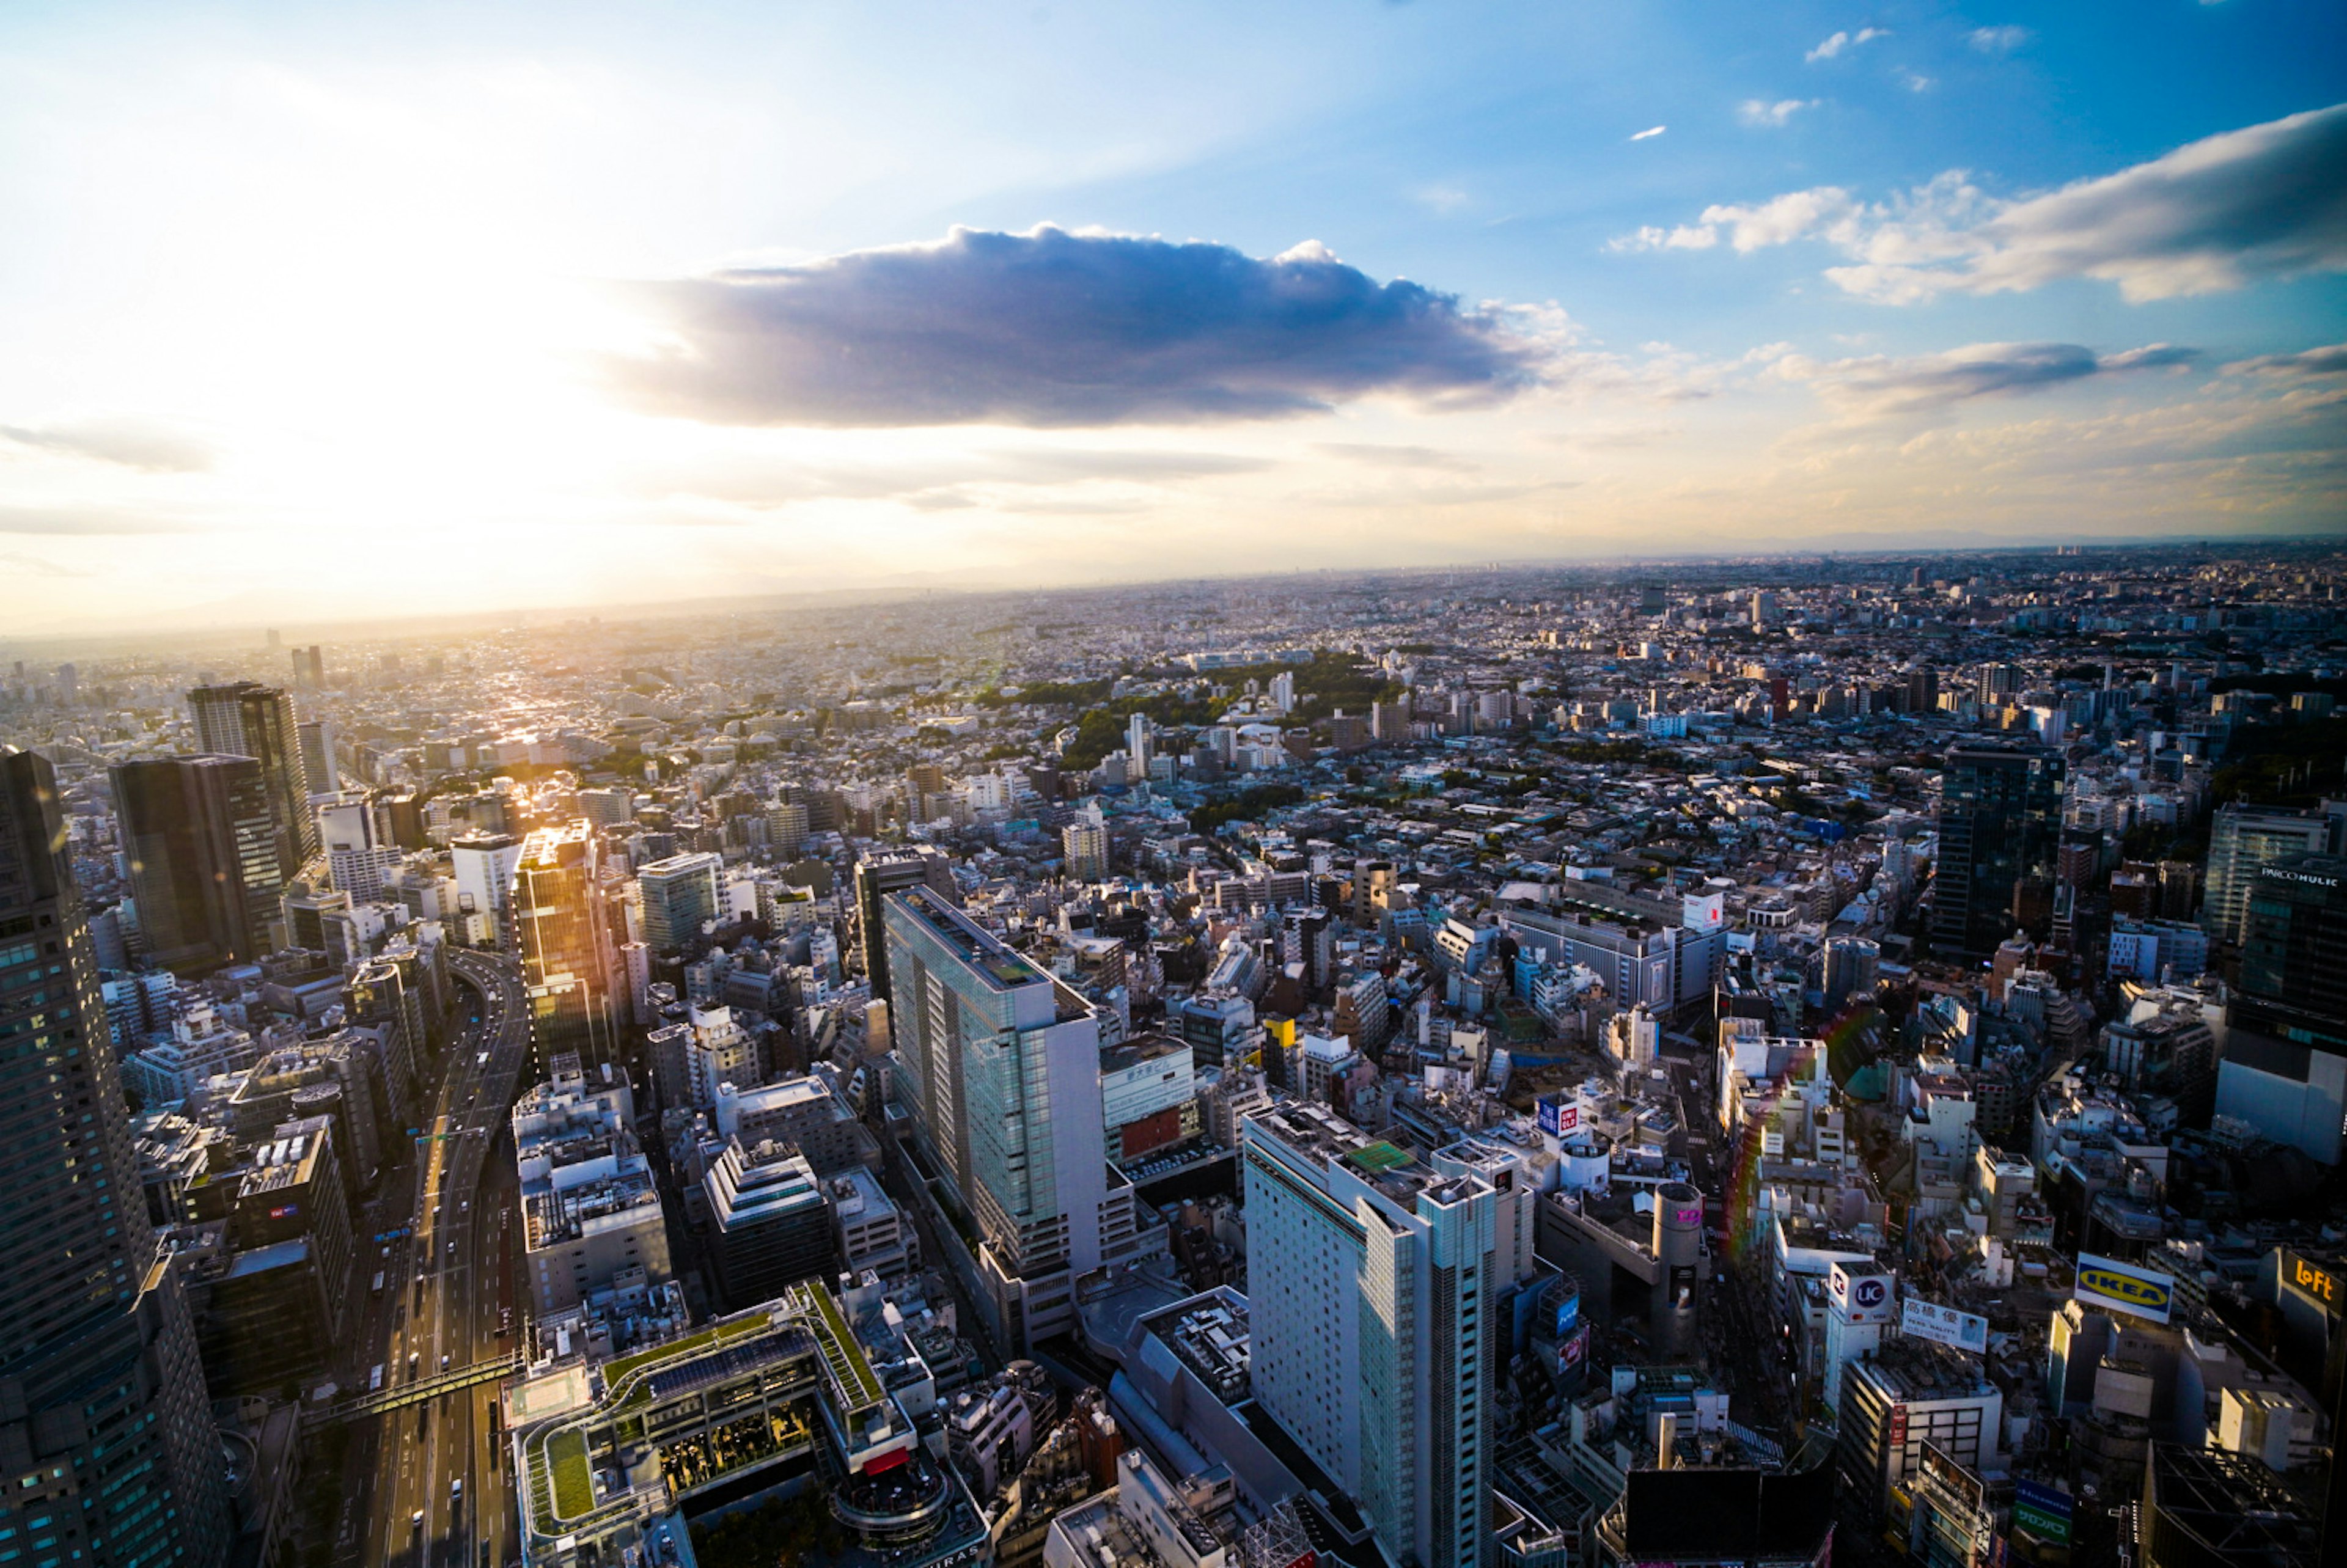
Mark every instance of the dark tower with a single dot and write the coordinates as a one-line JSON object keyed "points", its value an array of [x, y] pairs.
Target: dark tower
{"points": [[203, 857], [2000, 826], [250, 719], [106, 1436]]}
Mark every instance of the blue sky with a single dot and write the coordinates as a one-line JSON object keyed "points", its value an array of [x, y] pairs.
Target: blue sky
{"points": [[573, 303]]}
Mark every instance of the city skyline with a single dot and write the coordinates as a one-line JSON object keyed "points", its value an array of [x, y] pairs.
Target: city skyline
{"points": [[470, 309]]}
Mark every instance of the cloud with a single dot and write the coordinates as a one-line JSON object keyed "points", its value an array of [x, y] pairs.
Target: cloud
{"points": [[2331, 359], [1652, 130], [1380, 456], [140, 444], [2267, 201], [1053, 329], [1880, 387], [2000, 40], [1916, 82], [1838, 42], [1754, 111], [35, 566], [70, 521], [1685, 237]]}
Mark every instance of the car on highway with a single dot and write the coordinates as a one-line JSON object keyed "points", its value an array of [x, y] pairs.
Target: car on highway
{"points": [[444, 1361], [416, 1519], [415, 1357], [456, 1488]]}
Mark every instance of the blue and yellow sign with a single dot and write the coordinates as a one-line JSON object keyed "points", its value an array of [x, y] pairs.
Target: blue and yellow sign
{"points": [[2117, 1287]]}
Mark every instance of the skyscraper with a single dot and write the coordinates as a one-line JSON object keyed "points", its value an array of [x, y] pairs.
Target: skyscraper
{"points": [[1001, 1076], [890, 871], [250, 719], [2294, 947], [1372, 1291], [564, 952], [2000, 826], [317, 739], [2242, 839], [202, 849], [484, 864], [679, 894], [111, 1451]]}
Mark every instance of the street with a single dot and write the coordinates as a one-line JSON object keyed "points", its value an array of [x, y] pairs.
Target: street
{"points": [[446, 1286]]}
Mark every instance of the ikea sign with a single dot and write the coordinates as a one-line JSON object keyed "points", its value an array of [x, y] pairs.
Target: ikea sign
{"points": [[2117, 1287]]}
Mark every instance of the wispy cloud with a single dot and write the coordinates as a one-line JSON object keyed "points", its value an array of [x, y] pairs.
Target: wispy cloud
{"points": [[37, 566], [1998, 40], [1056, 329], [1836, 42], [1380, 456], [2267, 201], [1878, 386], [147, 444], [1758, 112], [75, 521], [1652, 130], [2331, 359]]}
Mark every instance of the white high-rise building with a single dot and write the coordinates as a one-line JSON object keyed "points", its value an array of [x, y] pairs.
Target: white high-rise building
{"points": [[1373, 1283], [485, 865]]}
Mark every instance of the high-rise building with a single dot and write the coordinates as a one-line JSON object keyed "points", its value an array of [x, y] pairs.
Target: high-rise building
{"points": [[566, 953], [1001, 1079], [317, 741], [891, 871], [250, 719], [1085, 843], [2000, 825], [2242, 839], [679, 894], [112, 1454], [2294, 946], [484, 864], [1372, 1290], [204, 866]]}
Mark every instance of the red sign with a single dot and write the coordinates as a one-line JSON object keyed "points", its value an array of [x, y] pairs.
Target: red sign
{"points": [[1898, 1426]]}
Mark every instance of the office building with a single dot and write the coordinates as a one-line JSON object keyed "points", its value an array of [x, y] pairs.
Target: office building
{"points": [[204, 866], [250, 719], [566, 954], [2294, 946], [892, 871], [770, 1223], [484, 865], [591, 1215], [317, 742], [1912, 1393], [2284, 1066], [1373, 1291], [1001, 1081], [2241, 840], [679, 896], [111, 1452], [2000, 823]]}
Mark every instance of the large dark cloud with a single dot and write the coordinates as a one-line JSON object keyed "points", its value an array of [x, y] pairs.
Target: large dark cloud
{"points": [[1050, 329]]}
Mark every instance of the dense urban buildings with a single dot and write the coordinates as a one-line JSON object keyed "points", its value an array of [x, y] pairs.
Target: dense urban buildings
{"points": [[1759, 1062]]}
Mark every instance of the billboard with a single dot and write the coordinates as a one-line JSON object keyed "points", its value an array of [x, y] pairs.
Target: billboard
{"points": [[1943, 1326], [2312, 1279], [2115, 1287], [1558, 1115], [2042, 1511], [1862, 1292], [1568, 1317]]}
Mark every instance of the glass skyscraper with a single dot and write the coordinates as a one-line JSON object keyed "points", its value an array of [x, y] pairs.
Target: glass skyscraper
{"points": [[204, 865], [250, 719], [108, 1451]]}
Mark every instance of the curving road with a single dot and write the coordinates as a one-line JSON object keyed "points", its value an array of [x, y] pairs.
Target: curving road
{"points": [[450, 1297]]}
